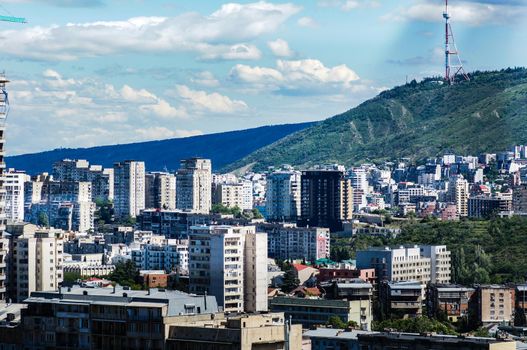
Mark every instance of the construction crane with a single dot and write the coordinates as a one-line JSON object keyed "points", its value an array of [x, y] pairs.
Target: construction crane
{"points": [[12, 19]]}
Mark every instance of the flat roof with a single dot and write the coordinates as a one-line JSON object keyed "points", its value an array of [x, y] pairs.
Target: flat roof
{"points": [[334, 333]]}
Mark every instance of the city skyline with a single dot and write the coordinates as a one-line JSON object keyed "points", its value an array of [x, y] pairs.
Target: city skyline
{"points": [[106, 72]]}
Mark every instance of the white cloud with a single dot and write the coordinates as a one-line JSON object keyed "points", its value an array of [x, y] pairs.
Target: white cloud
{"points": [[307, 22], [222, 35], [472, 13], [290, 75], [348, 5], [280, 48], [138, 96], [213, 102], [206, 79], [160, 132], [163, 109]]}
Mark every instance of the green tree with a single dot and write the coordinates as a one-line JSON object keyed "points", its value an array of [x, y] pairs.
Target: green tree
{"points": [[126, 274], [42, 219], [290, 280], [336, 322], [519, 317]]}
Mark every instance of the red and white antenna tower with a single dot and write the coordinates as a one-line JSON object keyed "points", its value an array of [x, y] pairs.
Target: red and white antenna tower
{"points": [[452, 70]]}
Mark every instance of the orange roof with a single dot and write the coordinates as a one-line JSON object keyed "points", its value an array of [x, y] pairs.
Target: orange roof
{"points": [[300, 267]]}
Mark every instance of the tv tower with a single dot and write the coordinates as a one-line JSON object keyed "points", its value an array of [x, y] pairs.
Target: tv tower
{"points": [[451, 53]]}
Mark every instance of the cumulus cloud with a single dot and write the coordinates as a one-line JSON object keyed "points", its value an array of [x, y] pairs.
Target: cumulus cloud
{"points": [[223, 35], [213, 102], [471, 12], [295, 75], [280, 48], [206, 79], [307, 22], [348, 5]]}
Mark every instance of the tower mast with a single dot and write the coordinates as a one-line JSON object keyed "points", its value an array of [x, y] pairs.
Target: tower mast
{"points": [[452, 70]]}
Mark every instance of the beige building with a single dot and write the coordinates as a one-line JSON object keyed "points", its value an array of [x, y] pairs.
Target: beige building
{"points": [[232, 195], [35, 260], [495, 303], [160, 191], [129, 188], [230, 263], [244, 332], [458, 194], [194, 185]]}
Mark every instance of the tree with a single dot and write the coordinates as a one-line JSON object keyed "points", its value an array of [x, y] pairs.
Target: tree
{"points": [[126, 274], [257, 214], [519, 317], [336, 322], [290, 280], [42, 219]]}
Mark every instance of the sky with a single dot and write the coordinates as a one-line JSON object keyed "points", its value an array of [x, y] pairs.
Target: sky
{"points": [[96, 72]]}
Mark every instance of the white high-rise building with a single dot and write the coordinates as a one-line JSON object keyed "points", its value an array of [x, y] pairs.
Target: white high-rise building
{"points": [[194, 185], [283, 196], [232, 195], [359, 179], [169, 255], [458, 194], [160, 191], [35, 260], [129, 188], [229, 262], [14, 187]]}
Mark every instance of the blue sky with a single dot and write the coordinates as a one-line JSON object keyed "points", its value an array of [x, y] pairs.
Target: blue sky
{"points": [[93, 72]]}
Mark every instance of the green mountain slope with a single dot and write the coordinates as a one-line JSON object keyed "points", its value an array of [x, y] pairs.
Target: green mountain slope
{"points": [[415, 120]]}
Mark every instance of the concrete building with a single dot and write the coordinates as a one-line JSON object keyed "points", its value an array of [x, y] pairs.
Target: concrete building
{"points": [[311, 312], [170, 255], [233, 195], [401, 299], [160, 191], [194, 185], [481, 207], [222, 263], [243, 332], [388, 341], [451, 300], [519, 200], [495, 303], [417, 263], [34, 260], [107, 318], [4, 250], [289, 242], [334, 339], [14, 194], [327, 199], [458, 194], [129, 188], [283, 196]]}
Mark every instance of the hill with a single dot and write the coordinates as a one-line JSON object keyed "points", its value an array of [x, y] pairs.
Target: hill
{"points": [[222, 148], [416, 120]]}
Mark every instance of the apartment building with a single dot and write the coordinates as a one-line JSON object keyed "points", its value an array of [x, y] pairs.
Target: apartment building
{"points": [[194, 185], [14, 194], [169, 255], [283, 196], [239, 194], [311, 312], [495, 303], [224, 260], [34, 261], [326, 199], [160, 190], [129, 188], [107, 318], [241, 332], [458, 194], [401, 299], [4, 250], [289, 242], [483, 207], [451, 300], [417, 263], [519, 199]]}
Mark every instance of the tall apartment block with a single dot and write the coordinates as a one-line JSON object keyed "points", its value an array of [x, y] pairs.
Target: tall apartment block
{"points": [[129, 188], [238, 194], [35, 260], [14, 187], [418, 263], [288, 242], [327, 199], [160, 191], [4, 108], [458, 194], [229, 262], [283, 196], [194, 185]]}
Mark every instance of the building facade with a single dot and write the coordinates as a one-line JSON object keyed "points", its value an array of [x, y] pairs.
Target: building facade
{"points": [[194, 185], [283, 196], [129, 188], [160, 191]]}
